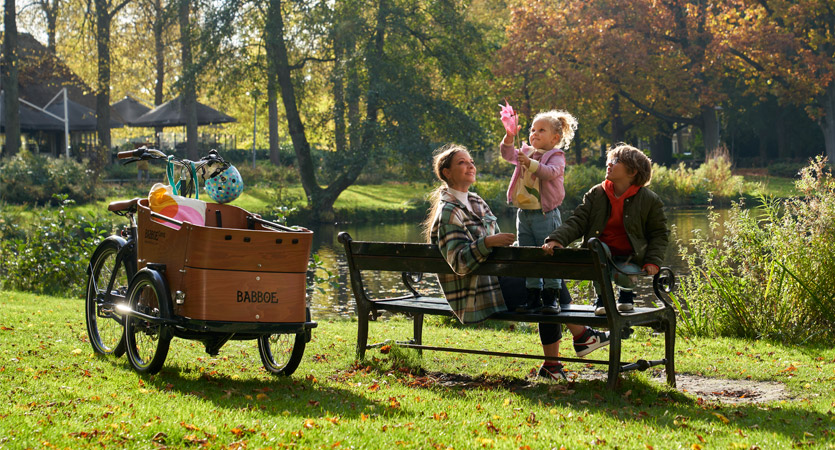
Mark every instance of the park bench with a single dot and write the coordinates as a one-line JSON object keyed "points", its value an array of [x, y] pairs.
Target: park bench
{"points": [[571, 264]]}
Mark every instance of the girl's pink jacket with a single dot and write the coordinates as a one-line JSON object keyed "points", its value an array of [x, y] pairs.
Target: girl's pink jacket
{"points": [[551, 172]]}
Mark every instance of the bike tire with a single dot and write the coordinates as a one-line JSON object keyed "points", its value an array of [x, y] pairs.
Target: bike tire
{"points": [[290, 354], [281, 353], [147, 342], [105, 326]]}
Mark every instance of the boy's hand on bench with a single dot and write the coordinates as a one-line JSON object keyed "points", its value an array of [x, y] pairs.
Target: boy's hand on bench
{"points": [[500, 240], [548, 247]]}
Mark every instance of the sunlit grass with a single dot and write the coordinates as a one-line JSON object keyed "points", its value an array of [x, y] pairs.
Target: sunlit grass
{"points": [[59, 394]]}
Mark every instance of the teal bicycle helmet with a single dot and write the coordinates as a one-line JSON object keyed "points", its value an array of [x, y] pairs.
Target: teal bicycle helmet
{"points": [[225, 186]]}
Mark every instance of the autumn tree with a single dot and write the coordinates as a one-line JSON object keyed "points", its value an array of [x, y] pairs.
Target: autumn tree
{"points": [[785, 48], [656, 56]]}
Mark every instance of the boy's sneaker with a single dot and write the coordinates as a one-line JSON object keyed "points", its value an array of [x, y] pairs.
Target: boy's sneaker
{"points": [[590, 341], [626, 300], [534, 303], [553, 372], [599, 307], [549, 300]]}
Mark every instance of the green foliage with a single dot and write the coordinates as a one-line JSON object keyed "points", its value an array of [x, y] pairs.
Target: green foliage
{"points": [[578, 180], [50, 253], [772, 275], [33, 179]]}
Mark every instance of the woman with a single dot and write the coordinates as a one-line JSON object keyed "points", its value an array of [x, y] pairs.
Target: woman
{"points": [[465, 230]]}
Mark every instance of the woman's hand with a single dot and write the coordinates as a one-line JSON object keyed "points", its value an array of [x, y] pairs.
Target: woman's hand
{"points": [[548, 247], [500, 240]]}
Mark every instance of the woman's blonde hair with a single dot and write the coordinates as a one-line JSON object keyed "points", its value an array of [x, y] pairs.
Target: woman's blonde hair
{"points": [[633, 159], [562, 122], [442, 160]]}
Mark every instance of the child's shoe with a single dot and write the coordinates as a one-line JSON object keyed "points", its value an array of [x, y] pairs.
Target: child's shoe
{"points": [[549, 301], [590, 341], [552, 371], [626, 300], [534, 302], [599, 307]]}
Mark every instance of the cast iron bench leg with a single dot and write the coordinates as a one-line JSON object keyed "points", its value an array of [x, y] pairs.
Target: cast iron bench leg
{"points": [[418, 324], [362, 332], [614, 358], [670, 351]]}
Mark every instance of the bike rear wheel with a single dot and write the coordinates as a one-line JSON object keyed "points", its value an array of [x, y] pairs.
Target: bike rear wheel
{"points": [[147, 342], [105, 325], [281, 353]]}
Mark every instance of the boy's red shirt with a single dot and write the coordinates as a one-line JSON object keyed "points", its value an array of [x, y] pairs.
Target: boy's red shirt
{"points": [[614, 235]]}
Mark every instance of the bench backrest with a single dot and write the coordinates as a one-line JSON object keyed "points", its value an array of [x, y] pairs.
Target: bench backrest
{"points": [[574, 264]]}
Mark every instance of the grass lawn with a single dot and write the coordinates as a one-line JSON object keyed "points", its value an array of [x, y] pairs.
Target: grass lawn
{"points": [[390, 196], [777, 186], [59, 394]]}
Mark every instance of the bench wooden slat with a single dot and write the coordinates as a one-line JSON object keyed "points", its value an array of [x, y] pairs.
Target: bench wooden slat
{"points": [[575, 264]]}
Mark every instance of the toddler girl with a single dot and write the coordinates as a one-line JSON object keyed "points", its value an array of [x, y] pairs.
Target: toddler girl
{"points": [[536, 188]]}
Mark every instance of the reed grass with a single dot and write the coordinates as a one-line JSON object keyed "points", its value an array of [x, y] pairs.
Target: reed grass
{"points": [[772, 273]]}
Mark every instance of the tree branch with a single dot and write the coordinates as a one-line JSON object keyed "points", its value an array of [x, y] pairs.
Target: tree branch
{"points": [[304, 61], [750, 61], [650, 110]]}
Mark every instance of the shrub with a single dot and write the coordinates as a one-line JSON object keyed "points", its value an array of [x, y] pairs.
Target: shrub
{"points": [[772, 274], [31, 179], [49, 253], [685, 186], [578, 180]]}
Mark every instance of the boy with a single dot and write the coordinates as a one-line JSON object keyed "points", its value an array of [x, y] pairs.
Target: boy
{"points": [[626, 216]]}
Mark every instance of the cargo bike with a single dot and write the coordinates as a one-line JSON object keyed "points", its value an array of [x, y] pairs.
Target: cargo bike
{"points": [[235, 276]]}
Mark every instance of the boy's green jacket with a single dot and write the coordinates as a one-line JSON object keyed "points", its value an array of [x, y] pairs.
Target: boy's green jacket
{"points": [[643, 218]]}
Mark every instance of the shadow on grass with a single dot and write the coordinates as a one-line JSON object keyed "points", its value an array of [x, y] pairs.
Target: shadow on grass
{"points": [[637, 399], [275, 395]]}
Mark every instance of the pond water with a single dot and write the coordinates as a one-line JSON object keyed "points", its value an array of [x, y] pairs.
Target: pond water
{"points": [[332, 302]]}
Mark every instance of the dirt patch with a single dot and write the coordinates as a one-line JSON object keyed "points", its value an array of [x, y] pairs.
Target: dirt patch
{"points": [[717, 390], [714, 389], [729, 391]]}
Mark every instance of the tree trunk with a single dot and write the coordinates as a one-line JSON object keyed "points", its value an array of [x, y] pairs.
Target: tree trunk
{"points": [[277, 51], [710, 129], [337, 78], [103, 19], [272, 106], [189, 90], [159, 62], [51, 13], [11, 106], [783, 150], [618, 130], [577, 144], [827, 122], [661, 147]]}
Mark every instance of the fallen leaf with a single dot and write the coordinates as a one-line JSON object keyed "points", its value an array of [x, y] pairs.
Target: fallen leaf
{"points": [[189, 426], [722, 418]]}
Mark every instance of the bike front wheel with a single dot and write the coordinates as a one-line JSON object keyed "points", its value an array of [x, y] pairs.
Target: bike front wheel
{"points": [[105, 325], [147, 341]]}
